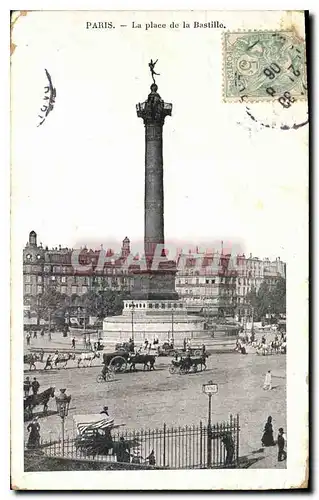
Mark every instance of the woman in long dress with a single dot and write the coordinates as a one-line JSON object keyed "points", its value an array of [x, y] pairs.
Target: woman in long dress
{"points": [[268, 435], [34, 436]]}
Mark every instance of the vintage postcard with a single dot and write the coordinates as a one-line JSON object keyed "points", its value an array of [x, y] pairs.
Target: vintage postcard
{"points": [[159, 204]]}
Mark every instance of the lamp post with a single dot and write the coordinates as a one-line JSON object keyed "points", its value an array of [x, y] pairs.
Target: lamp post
{"points": [[132, 306], [62, 406], [210, 388], [173, 328]]}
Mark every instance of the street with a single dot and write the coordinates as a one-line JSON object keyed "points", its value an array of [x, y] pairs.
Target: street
{"points": [[148, 399]]}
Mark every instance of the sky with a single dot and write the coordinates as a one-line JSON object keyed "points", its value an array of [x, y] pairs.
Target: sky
{"points": [[79, 177]]}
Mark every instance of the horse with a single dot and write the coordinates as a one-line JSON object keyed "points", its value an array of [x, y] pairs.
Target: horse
{"points": [[38, 399], [63, 358], [148, 361], [31, 359], [201, 361], [88, 356]]}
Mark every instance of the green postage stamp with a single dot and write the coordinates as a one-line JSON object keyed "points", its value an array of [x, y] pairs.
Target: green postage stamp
{"points": [[264, 66]]}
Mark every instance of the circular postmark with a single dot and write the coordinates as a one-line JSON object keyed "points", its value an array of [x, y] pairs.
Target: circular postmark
{"points": [[264, 66], [266, 72]]}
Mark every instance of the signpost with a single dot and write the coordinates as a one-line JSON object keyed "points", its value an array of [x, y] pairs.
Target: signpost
{"points": [[210, 388]]}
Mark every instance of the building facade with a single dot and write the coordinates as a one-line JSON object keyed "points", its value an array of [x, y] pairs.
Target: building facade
{"points": [[214, 287], [44, 268], [223, 292]]}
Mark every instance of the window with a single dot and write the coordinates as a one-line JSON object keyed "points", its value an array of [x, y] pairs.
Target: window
{"points": [[27, 278], [39, 289], [27, 288], [38, 257], [39, 279], [150, 306], [74, 289], [63, 289], [156, 306], [163, 305], [63, 279], [53, 278], [84, 289], [213, 281], [29, 256]]}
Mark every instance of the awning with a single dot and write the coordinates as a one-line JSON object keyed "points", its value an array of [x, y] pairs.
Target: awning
{"points": [[92, 422]]}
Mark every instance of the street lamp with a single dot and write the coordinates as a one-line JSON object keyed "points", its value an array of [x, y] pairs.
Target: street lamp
{"points": [[173, 327], [132, 306], [62, 406], [210, 388]]}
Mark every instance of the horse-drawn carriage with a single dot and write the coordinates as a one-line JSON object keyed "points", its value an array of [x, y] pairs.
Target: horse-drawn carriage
{"points": [[187, 364], [121, 361], [94, 437]]}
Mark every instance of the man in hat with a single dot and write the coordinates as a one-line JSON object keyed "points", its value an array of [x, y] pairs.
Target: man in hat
{"points": [[35, 386], [26, 386], [281, 441]]}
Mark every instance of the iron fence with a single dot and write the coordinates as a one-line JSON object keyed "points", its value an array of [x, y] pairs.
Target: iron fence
{"points": [[167, 447]]}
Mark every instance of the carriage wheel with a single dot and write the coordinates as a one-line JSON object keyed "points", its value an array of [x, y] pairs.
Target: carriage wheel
{"points": [[99, 379], [183, 370], [203, 367], [172, 369], [118, 364]]}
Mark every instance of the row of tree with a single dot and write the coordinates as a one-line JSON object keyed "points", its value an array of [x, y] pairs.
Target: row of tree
{"points": [[55, 306], [268, 301]]}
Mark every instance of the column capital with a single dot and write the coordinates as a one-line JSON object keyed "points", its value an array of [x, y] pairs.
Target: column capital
{"points": [[154, 110]]}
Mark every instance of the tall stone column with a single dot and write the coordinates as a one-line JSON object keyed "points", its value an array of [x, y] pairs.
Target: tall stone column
{"points": [[153, 113], [158, 283]]}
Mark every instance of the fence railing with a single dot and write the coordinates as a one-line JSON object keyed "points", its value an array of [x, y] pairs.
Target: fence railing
{"points": [[186, 447]]}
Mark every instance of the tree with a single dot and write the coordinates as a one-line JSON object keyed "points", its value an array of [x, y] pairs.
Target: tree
{"points": [[278, 298], [268, 300], [49, 303]]}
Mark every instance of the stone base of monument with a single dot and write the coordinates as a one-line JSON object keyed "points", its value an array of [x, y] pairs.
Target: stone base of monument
{"points": [[147, 319]]}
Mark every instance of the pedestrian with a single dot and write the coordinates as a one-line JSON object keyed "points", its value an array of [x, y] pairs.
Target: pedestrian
{"points": [[267, 382], [263, 339], [34, 436], [73, 343], [281, 441], [26, 387], [229, 444], [122, 451], [42, 332], [50, 336], [184, 344], [105, 410], [35, 334], [35, 386], [48, 362], [268, 435], [151, 458], [28, 337]]}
